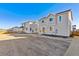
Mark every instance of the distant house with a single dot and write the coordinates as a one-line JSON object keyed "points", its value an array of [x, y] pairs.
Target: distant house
{"points": [[59, 24], [43, 25], [77, 30], [74, 28], [16, 29], [30, 27]]}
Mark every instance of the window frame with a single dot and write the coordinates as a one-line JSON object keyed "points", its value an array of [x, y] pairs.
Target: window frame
{"points": [[51, 28], [59, 18], [51, 19], [42, 21]]}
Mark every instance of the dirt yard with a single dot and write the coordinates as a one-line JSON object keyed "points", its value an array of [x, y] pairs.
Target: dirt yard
{"points": [[7, 37], [32, 45]]}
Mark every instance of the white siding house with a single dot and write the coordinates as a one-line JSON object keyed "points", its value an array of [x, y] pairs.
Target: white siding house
{"points": [[30, 27], [51, 24], [64, 23], [59, 24], [16, 29], [46, 24], [43, 25]]}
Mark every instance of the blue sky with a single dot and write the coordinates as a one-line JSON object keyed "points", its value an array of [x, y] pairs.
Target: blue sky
{"points": [[14, 14]]}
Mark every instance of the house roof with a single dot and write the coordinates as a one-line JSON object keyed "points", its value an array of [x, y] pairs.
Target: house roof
{"points": [[42, 18], [45, 17], [30, 22], [64, 11], [50, 15]]}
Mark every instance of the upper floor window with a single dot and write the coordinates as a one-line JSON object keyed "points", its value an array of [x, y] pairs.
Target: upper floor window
{"points": [[42, 21], [51, 19], [60, 18]]}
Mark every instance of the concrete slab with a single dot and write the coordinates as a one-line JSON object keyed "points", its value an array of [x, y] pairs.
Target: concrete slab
{"points": [[73, 50]]}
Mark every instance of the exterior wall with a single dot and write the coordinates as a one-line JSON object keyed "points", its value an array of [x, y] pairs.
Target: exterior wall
{"points": [[20, 30], [43, 26], [59, 27], [64, 27], [70, 21], [60, 24], [16, 29], [30, 27], [26, 28], [34, 28], [49, 25]]}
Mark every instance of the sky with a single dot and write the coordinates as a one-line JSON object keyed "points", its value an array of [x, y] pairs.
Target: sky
{"points": [[14, 14]]}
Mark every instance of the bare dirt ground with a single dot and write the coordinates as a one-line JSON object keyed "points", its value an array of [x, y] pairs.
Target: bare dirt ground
{"points": [[7, 37], [32, 45]]}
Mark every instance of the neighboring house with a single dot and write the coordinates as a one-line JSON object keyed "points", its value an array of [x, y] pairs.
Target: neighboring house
{"points": [[43, 25], [77, 30], [16, 29], [20, 30], [46, 24], [30, 27], [64, 23], [59, 24]]}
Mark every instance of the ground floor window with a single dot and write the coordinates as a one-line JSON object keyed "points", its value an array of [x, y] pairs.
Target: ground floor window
{"points": [[26, 28], [43, 29], [30, 29], [40, 30], [51, 29]]}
